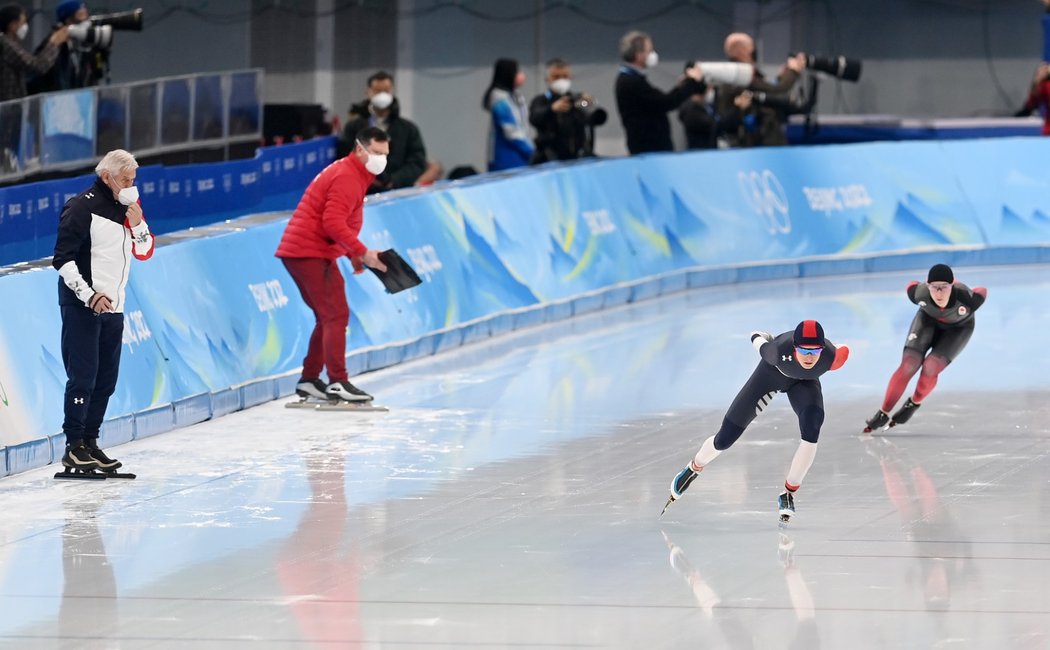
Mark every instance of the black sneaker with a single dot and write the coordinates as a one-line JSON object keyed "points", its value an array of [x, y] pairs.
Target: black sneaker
{"points": [[79, 457], [310, 388], [105, 463], [877, 421], [905, 413], [346, 391], [786, 506]]}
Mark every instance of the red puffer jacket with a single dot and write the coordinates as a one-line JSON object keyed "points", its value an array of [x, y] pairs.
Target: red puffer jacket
{"points": [[328, 218]]}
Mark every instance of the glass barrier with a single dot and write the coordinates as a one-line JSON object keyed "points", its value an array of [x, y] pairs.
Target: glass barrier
{"points": [[74, 128]]}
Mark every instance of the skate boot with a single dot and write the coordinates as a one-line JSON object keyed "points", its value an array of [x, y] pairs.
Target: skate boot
{"points": [[905, 413], [79, 457], [105, 463], [344, 390], [877, 421], [680, 484], [307, 388], [786, 505]]}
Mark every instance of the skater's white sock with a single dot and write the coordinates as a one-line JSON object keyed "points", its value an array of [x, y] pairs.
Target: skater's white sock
{"points": [[706, 454], [800, 465]]}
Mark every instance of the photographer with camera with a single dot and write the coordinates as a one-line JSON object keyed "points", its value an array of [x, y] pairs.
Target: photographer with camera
{"points": [[83, 61], [754, 115], [74, 67], [564, 121], [643, 107]]}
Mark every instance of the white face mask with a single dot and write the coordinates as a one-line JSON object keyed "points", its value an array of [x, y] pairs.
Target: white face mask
{"points": [[382, 101], [652, 59], [376, 162], [128, 195], [22, 31], [561, 86]]}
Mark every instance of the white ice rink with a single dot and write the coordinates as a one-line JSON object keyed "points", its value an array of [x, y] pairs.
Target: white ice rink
{"points": [[510, 499]]}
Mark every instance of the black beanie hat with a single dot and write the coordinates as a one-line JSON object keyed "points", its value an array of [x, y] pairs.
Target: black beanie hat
{"points": [[809, 334], [941, 273]]}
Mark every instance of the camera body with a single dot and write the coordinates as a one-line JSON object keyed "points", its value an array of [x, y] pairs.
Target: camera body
{"points": [[593, 114], [97, 31]]}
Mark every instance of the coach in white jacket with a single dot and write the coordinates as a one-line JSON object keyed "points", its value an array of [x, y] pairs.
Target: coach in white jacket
{"points": [[99, 232]]}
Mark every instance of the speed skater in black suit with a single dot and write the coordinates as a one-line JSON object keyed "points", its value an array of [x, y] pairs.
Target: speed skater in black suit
{"points": [[791, 363], [939, 332]]}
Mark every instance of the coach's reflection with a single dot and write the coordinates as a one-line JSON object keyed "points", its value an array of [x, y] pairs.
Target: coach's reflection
{"points": [[736, 632], [940, 546], [318, 566], [88, 611]]}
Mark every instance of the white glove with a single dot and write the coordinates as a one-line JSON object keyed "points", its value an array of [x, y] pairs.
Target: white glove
{"points": [[758, 339]]}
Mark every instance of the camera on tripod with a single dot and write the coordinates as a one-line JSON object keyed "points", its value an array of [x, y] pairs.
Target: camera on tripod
{"points": [[97, 31], [593, 114]]}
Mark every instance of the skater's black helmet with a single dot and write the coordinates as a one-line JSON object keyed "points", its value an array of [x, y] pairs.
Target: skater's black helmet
{"points": [[941, 273], [809, 334]]}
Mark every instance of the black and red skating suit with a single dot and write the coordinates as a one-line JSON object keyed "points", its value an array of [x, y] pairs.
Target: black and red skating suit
{"points": [[779, 372], [943, 331]]}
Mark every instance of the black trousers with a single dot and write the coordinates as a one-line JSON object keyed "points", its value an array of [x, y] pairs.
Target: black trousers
{"points": [[91, 354]]}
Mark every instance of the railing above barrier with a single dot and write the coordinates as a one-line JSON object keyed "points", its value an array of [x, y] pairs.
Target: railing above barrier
{"points": [[73, 128]]}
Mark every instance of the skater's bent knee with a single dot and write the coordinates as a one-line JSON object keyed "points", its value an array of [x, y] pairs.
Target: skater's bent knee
{"points": [[727, 435], [809, 421]]}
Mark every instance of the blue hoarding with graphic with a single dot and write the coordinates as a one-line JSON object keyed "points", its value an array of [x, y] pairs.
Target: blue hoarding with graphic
{"points": [[208, 314]]}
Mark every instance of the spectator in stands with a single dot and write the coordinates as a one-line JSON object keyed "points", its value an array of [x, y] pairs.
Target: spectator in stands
{"points": [[324, 227], [643, 108], [697, 120], [407, 164], [15, 61], [1039, 96], [1039, 92], [562, 126], [744, 119], [509, 144], [75, 67], [99, 232]]}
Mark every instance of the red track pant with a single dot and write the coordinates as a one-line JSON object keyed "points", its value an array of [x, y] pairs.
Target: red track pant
{"points": [[321, 285]]}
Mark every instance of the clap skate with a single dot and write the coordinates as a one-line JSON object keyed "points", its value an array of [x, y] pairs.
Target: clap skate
{"points": [[904, 413], [338, 396], [877, 421], [679, 485], [83, 463], [786, 506]]}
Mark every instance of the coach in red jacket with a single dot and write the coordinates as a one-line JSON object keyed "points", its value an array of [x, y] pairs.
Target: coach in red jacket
{"points": [[324, 227]]}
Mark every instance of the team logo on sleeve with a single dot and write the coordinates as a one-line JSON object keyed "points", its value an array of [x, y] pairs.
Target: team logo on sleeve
{"points": [[962, 310]]}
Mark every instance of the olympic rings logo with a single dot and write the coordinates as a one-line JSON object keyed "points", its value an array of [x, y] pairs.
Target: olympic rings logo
{"points": [[766, 196]]}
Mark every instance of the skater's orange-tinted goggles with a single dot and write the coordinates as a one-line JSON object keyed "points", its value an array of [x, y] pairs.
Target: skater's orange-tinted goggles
{"points": [[809, 352]]}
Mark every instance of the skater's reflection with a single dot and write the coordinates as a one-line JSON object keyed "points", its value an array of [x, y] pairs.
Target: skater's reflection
{"points": [[318, 567], [941, 547], [737, 633], [88, 615]]}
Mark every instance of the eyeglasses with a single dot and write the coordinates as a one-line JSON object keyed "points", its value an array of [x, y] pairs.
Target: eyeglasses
{"points": [[809, 352], [939, 286]]}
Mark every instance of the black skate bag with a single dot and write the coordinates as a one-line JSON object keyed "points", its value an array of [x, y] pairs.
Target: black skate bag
{"points": [[398, 275]]}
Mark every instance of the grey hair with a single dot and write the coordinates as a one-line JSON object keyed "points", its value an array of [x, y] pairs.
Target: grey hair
{"points": [[115, 162], [631, 44]]}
